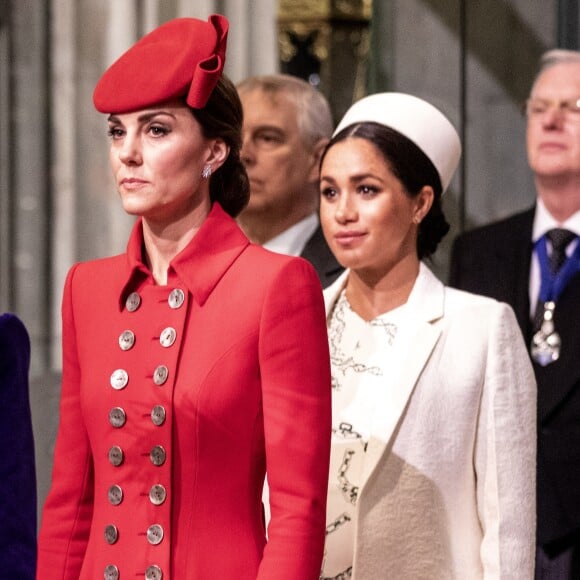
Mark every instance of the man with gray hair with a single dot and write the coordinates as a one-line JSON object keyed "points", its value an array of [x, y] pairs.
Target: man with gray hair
{"points": [[532, 261], [287, 123]]}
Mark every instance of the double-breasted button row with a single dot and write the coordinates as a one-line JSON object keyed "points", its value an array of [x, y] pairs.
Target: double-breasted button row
{"points": [[155, 534], [120, 377], [153, 572], [157, 494], [175, 300], [118, 419], [158, 455]]}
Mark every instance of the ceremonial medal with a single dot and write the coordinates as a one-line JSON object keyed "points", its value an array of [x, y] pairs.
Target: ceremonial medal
{"points": [[546, 342]]}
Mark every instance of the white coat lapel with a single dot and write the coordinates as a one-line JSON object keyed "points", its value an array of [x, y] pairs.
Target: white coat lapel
{"points": [[423, 338], [332, 292], [416, 342]]}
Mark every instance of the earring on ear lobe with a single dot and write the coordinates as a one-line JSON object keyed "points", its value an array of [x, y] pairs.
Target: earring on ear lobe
{"points": [[206, 171]]}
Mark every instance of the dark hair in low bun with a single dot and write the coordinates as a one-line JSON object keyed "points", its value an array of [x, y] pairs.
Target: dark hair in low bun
{"points": [[222, 117], [413, 169]]}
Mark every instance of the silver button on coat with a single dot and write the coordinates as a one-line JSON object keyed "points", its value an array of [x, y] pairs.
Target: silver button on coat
{"points": [[117, 417], [158, 415], [111, 572], [168, 336], [176, 298], [155, 534], [116, 455], [119, 379], [153, 572], [133, 302], [111, 534], [158, 455], [115, 494], [157, 494], [160, 375], [126, 340]]}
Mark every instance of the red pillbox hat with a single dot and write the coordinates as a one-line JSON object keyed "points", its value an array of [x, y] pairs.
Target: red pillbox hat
{"points": [[182, 58]]}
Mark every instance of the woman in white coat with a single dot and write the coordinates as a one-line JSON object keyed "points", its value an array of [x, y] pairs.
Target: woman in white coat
{"points": [[433, 445]]}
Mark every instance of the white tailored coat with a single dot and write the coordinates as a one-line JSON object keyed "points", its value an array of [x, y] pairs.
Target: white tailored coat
{"points": [[448, 484]]}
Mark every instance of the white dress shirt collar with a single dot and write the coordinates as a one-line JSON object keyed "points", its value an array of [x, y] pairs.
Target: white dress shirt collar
{"points": [[293, 240], [544, 221]]}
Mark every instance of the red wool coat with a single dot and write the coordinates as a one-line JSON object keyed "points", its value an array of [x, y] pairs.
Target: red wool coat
{"points": [[175, 399]]}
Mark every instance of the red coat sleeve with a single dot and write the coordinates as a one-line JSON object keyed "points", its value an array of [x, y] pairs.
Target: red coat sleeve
{"points": [[67, 512], [295, 368]]}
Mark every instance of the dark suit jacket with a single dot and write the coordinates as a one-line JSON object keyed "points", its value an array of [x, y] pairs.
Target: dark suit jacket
{"points": [[319, 255], [17, 472], [494, 260]]}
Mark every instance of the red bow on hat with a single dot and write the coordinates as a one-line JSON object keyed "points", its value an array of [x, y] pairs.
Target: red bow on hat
{"points": [[184, 57]]}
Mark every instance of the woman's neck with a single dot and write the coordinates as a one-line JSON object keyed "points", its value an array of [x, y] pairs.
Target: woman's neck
{"points": [[163, 241], [372, 293]]}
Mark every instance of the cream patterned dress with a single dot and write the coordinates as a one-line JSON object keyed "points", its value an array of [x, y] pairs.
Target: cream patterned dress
{"points": [[362, 354]]}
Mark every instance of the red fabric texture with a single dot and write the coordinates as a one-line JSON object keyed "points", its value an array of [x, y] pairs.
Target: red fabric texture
{"points": [[248, 389]]}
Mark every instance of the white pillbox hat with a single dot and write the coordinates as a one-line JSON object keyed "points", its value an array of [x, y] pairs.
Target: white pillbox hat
{"points": [[416, 119]]}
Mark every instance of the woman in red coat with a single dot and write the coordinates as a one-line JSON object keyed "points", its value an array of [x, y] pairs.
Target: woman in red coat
{"points": [[193, 363]]}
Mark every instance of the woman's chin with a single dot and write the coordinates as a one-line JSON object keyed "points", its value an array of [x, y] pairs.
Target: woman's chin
{"points": [[132, 208]]}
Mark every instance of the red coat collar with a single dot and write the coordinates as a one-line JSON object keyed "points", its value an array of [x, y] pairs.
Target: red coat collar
{"points": [[200, 265]]}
